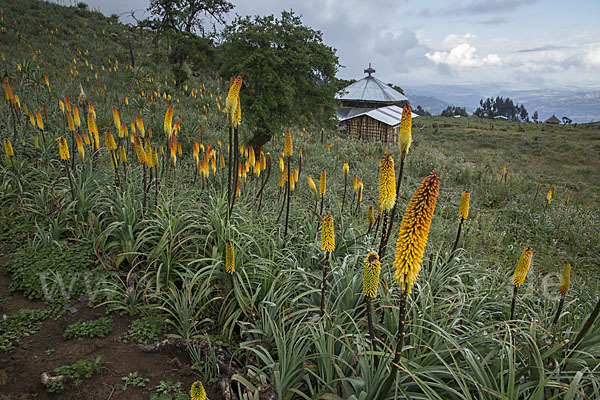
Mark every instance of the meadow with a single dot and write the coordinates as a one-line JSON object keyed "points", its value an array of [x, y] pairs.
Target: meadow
{"points": [[132, 245]]}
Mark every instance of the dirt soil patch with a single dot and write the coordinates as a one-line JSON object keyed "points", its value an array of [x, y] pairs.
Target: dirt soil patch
{"points": [[22, 367]]}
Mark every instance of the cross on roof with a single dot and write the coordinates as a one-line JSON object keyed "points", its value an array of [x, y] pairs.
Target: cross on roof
{"points": [[370, 70]]}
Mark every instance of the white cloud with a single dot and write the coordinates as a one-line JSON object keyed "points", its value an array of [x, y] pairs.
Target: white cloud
{"points": [[463, 55], [453, 39], [592, 57]]}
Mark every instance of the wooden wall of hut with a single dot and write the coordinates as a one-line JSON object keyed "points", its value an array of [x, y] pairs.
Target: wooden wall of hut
{"points": [[370, 130]]}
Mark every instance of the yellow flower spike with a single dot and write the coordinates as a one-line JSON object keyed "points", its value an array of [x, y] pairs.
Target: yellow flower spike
{"points": [[110, 141], [346, 169], [323, 183], [287, 148], [549, 196], [70, 121], [195, 151], [300, 152], [32, 119], [8, 149], [139, 150], [122, 154], [327, 234], [251, 156], [221, 161], [565, 279], [154, 157], [414, 231], [405, 135], [296, 173], [355, 183], [232, 100], [280, 179], [140, 126], [292, 185], [197, 391], [116, 119], [371, 215], [522, 267], [36, 141], [463, 209], [281, 164], [387, 183], [39, 120], [86, 138], [359, 192], [371, 278], [76, 117], [91, 123], [63, 148], [238, 190], [313, 187]]}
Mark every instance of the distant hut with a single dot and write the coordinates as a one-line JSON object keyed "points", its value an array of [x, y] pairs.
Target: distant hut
{"points": [[371, 110], [552, 120]]}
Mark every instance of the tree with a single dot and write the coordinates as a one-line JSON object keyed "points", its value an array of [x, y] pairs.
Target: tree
{"points": [[288, 72], [421, 111], [396, 88], [566, 120], [490, 108], [186, 16], [451, 111], [535, 117]]}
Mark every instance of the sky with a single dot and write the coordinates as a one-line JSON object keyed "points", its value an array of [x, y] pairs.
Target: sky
{"points": [[514, 44]]}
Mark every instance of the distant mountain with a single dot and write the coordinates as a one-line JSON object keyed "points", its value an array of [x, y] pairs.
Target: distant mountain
{"points": [[579, 104], [429, 103]]}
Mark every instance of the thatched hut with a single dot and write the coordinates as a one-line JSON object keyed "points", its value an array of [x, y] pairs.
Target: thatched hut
{"points": [[552, 120], [371, 110]]}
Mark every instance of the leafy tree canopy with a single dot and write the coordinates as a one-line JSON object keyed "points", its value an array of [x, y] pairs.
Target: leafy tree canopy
{"points": [[289, 73], [451, 111], [500, 106], [186, 16], [421, 111]]}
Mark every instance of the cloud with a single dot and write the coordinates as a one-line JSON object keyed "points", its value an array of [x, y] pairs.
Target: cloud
{"points": [[493, 21], [541, 48], [454, 39], [480, 7], [591, 59], [461, 56]]}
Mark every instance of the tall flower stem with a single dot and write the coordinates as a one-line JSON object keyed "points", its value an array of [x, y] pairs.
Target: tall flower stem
{"points": [[460, 224], [512, 304], [229, 168], [393, 216], [321, 208], [384, 234], [145, 189], [559, 310], [287, 211], [235, 151], [324, 267], [370, 321], [345, 187], [70, 180], [400, 343]]}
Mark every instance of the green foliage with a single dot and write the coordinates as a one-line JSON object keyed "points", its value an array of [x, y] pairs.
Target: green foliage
{"points": [[500, 106], [167, 390], [100, 327], [289, 73], [146, 329], [23, 323], [56, 273], [133, 380], [452, 111], [79, 371]]}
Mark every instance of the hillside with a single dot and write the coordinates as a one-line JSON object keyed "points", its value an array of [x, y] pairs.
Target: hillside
{"points": [[137, 268]]}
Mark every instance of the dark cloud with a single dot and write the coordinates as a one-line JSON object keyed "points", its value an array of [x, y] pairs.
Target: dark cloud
{"points": [[542, 48], [479, 7], [493, 21]]}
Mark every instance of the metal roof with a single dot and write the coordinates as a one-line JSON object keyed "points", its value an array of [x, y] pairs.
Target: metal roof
{"points": [[390, 115], [370, 89]]}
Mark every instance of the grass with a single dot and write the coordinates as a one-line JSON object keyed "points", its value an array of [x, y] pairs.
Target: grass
{"points": [[171, 258]]}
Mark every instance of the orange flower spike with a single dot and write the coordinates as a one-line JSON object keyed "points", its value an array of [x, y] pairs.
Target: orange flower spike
{"points": [[140, 126], [39, 120], [71, 123], [80, 148], [76, 117], [116, 119], [168, 128]]}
